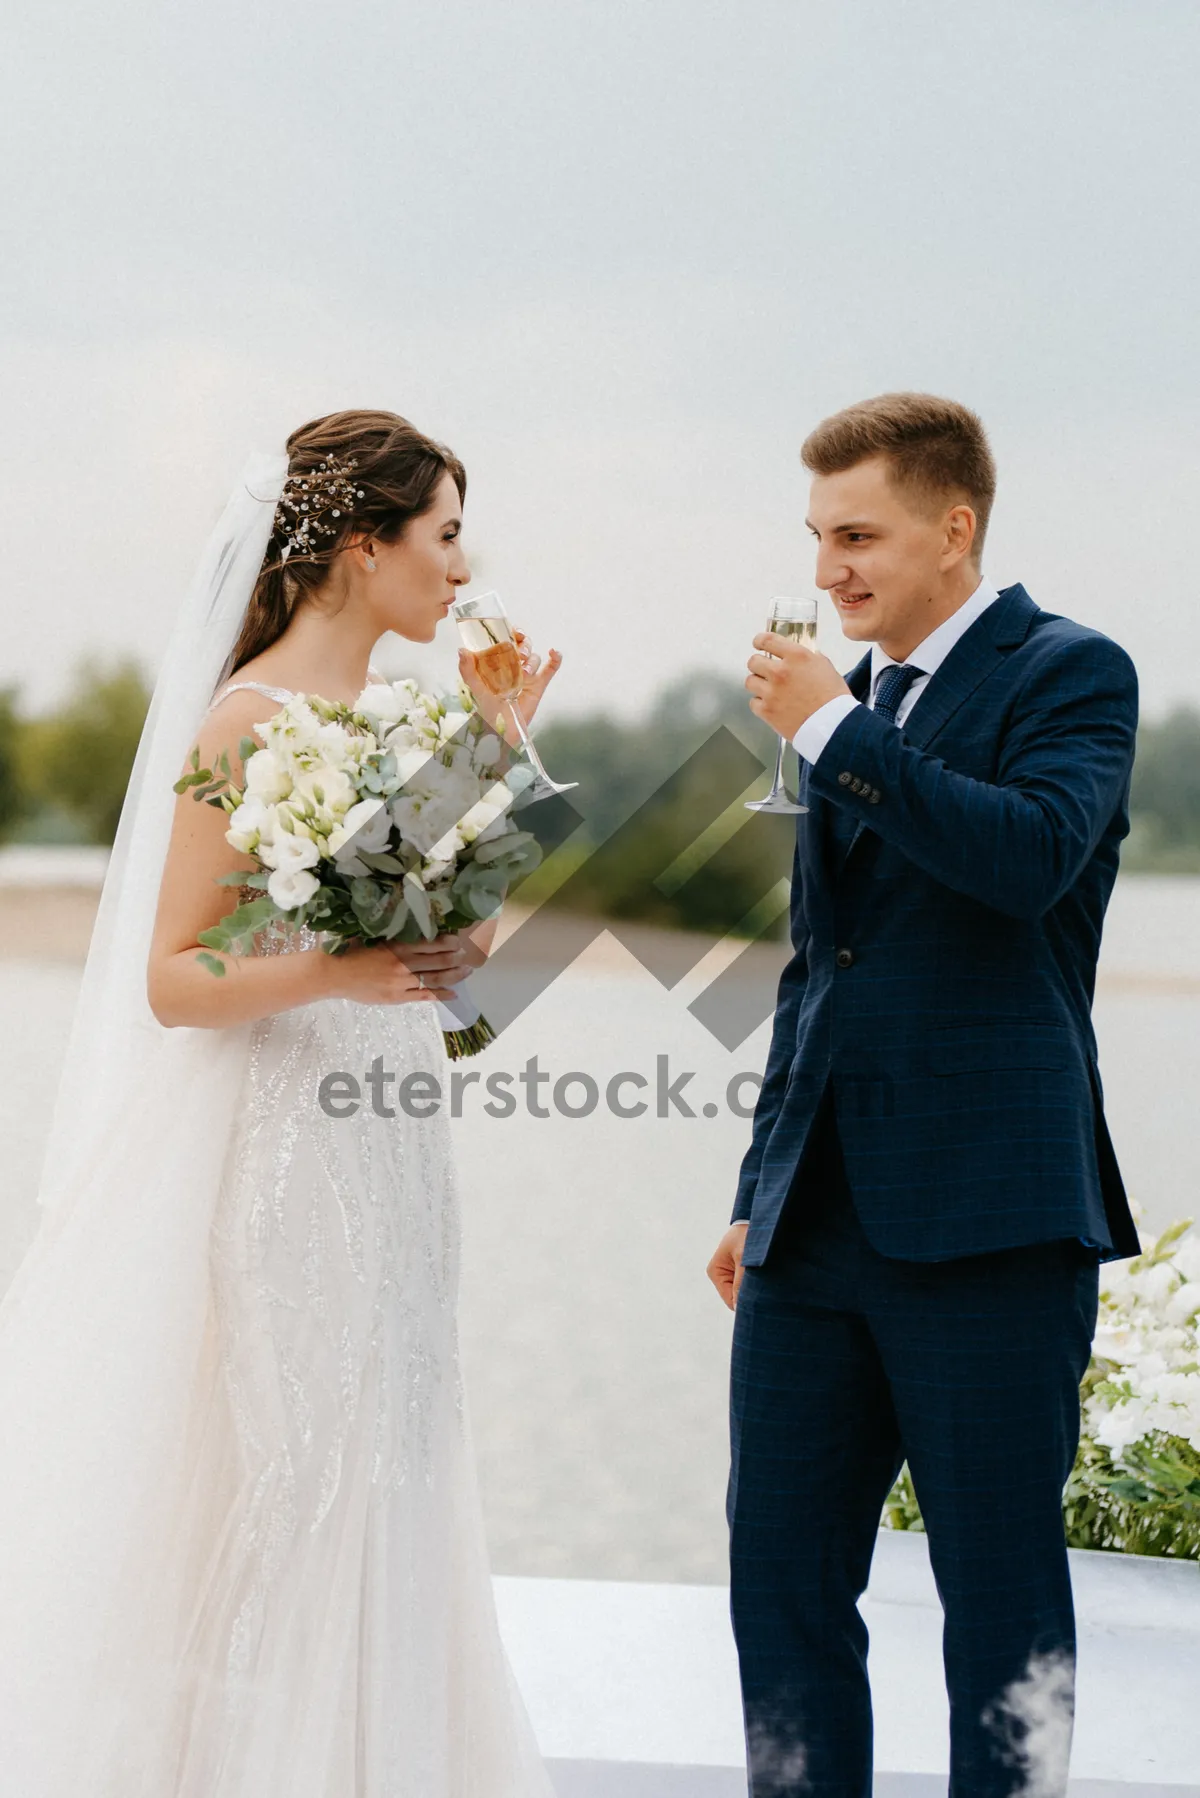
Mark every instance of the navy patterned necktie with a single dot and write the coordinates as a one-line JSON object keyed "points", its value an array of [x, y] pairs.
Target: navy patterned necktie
{"points": [[894, 683]]}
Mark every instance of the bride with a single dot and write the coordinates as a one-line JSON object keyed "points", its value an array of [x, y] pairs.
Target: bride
{"points": [[241, 1550]]}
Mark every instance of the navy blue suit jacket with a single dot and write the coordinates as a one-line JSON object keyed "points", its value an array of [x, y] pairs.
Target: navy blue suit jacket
{"points": [[944, 958]]}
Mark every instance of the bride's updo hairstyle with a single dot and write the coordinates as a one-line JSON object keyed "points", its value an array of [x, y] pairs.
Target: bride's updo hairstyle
{"points": [[349, 474]]}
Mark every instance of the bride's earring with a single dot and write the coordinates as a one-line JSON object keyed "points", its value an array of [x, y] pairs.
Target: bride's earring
{"points": [[370, 561]]}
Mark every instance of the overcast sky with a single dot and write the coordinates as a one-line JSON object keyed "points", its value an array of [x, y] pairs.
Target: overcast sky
{"points": [[621, 257]]}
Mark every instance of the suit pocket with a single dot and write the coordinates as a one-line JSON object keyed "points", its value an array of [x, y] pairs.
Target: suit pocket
{"points": [[980, 1048]]}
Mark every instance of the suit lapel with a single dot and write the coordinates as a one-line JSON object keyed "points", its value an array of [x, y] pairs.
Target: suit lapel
{"points": [[978, 652]]}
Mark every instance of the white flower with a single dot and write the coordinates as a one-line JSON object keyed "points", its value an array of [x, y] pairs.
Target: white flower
{"points": [[1113, 1342], [289, 852], [484, 814], [327, 788], [442, 853], [1121, 1426], [409, 763], [250, 824], [1183, 1305], [449, 727], [400, 737], [266, 777], [339, 747], [365, 826], [1187, 1257], [294, 727], [291, 887], [1157, 1281], [383, 701]]}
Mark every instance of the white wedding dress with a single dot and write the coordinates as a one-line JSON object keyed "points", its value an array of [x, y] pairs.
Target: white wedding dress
{"points": [[344, 1642], [241, 1544]]}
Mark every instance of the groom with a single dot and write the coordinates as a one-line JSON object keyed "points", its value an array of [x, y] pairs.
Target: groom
{"points": [[930, 1184]]}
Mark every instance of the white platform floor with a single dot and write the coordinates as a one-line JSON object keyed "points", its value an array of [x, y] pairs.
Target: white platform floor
{"points": [[633, 1687]]}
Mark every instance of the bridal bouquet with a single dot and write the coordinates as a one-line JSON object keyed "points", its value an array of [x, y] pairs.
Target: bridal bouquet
{"points": [[383, 821]]}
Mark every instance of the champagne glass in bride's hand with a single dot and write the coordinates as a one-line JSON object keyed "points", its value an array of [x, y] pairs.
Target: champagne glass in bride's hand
{"points": [[789, 618], [487, 632]]}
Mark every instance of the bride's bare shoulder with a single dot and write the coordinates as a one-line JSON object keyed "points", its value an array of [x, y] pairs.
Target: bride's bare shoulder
{"points": [[231, 717]]}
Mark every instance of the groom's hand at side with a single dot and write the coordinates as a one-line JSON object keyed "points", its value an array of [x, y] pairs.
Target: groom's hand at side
{"points": [[788, 682], [725, 1268]]}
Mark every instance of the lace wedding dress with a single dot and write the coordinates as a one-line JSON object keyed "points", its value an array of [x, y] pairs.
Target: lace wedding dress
{"points": [[344, 1642]]}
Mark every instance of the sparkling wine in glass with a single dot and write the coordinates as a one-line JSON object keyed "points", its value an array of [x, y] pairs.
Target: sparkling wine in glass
{"points": [[795, 618], [486, 630]]}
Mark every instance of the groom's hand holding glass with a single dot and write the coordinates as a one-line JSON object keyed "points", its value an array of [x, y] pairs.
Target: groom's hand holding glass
{"points": [[788, 682]]}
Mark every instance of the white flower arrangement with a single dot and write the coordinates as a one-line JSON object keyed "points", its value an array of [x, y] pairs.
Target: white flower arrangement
{"points": [[1135, 1486], [385, 820]]}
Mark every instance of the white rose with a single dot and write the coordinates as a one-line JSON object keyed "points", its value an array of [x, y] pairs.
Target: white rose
{"points": [[266, 777], [381, 700], [289, 852], [365, 826], [250, 823], [291, 887]]}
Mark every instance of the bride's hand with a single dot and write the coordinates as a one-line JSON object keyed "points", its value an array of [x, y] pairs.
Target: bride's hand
{"points": [[399, 973], [537, 678]]}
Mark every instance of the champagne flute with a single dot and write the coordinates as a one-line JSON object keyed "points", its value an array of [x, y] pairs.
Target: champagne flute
{"points": [[487, 631], [789, 618]]}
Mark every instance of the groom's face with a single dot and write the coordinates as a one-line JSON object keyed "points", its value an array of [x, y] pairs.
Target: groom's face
{"points": [[878, 558]]}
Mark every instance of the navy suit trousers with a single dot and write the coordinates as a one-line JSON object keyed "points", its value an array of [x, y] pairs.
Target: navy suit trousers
{"points": [[844, 1364]]}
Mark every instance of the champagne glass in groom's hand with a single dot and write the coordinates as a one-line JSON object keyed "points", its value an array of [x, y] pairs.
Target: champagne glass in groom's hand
{"points": [[487, 632], [789, 618]]}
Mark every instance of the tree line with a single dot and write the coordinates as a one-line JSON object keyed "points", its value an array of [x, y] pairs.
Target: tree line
{"points": [[63, 774]]}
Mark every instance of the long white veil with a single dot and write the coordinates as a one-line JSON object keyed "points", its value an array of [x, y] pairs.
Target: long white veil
{"points": [[109, 1400]]}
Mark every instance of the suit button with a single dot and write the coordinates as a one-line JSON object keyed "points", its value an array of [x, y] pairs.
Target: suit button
{"points": [[844, 958], [845, 778], [874, 796], [856, 786]]}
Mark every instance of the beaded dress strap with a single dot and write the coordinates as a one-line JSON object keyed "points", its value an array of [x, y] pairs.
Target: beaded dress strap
{"points": [[282, 694]]}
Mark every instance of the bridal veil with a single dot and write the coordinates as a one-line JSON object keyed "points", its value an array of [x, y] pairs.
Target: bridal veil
{"points": [[114, 1442]]}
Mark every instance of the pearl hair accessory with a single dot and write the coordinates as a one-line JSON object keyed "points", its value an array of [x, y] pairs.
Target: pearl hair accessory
{"points": [[313, 504]]}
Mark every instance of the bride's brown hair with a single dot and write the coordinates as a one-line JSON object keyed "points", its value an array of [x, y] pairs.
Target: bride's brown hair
{"points": [[398, 470]]}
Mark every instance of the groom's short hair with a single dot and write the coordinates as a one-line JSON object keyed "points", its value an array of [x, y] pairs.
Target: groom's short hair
{"points": [[937, 449]]}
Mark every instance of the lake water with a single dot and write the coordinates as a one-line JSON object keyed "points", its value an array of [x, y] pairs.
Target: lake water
{"points": [[596, 1351]]}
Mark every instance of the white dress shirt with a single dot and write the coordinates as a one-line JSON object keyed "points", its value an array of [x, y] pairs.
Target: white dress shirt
{"points": [[816, 730]]}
